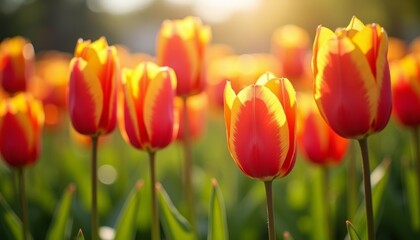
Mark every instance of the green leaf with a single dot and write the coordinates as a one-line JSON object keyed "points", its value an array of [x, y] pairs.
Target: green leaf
{"points": [[127, 221], [175, 226], [80, 235], [351, 231], [61, 218], [217, 216], [379, 181], [10, 224], [412, 194]]}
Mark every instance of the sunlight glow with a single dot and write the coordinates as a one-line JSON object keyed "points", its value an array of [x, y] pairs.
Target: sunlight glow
{"points": [[118, 7], [220, 10]]}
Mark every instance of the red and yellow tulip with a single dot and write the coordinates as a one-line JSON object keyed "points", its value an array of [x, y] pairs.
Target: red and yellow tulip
{"points": [[261, 127], [93, 87], [182, 46], [16, 64], [147, 118], [319, 143], [351, 78], [197, 115], [406, 90], [21, 122]]}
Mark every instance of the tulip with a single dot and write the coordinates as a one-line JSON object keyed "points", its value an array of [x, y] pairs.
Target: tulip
{"points": [[197, 113], [92, 98], [92, 88], [290, 45], [16, 64], [182, 46], [319, 143], [21, 122], [50, 85], [406, 94], [147, 116], [406, 98], [352, 87], [260, 128]]}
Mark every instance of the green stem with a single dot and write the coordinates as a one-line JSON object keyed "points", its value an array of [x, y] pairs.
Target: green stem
{"points": [[352, 184], [23, 204], [94, 217], [189, 194], [367, 188], [270, 210], [155, 213], [326, 196], [417, 160]]}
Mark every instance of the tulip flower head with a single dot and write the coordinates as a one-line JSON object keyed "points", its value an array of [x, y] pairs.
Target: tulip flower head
{"points": [[260, 127], [319, 143], [351, 78], [21, 122], [182, 46], [406, 90], [93, 87], [147, 118], [16, 64]]}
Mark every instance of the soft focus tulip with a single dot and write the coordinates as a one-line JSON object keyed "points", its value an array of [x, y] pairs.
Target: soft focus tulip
{"points": [[352, 80], [261, 127], [182, 46], [21, 122], [16, 64], [50, 85], [92, 87], [290, 44], [147, 118], [319, 143], [197, 115], [405, 90], [396, 49]]}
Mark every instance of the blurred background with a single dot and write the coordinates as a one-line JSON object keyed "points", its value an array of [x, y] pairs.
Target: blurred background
{"points": [[246, 25]]}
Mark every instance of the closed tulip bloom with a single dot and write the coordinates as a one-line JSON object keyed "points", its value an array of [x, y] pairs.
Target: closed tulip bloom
{"points": [[406, 91], [260, 127], [352, 80], [21, 122], [182, 46], [16, 64], [147, 119], [319, 143], [92, 88]]}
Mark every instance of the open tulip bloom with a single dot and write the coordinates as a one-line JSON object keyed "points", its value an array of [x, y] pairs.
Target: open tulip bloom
{"points": [[261, 131], [352, 86]]}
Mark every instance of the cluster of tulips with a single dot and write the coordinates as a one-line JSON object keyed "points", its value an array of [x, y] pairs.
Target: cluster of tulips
{"points": [[346, 95]]}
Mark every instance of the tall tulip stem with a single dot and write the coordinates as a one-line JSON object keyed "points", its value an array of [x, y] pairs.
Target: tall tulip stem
{"points": [[352, 190], [270, 210], [417, 158], [23, 204], [155, 213], [367, 188], [189, 194], [326, 195], [94, 217]]}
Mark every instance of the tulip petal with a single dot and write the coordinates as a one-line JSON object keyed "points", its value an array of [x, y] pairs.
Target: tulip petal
{"points": [[355, 24], [159, 109], [343, 73], [129, 111], [259, 133], [85, 97], [323, 35], [229, 98]]}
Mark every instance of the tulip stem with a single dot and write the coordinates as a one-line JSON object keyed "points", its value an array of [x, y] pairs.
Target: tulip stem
{"points": [[417, 159], [155, 213], [367, 188], [326, 195], [94, 217], [352, 184], [270, 210], [23, 204], [189, 194]]}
